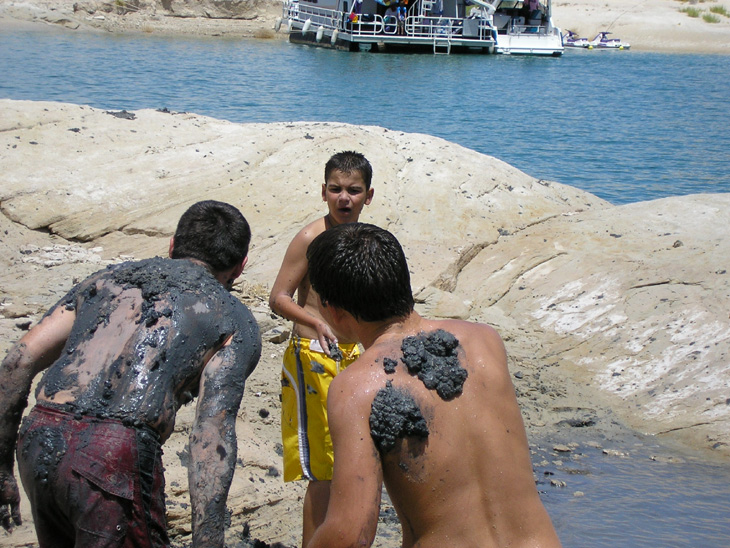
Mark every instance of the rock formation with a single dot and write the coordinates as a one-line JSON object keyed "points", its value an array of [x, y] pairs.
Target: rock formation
{"points": [[602, 307]]}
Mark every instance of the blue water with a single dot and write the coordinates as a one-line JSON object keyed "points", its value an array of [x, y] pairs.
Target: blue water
{"points": [[646, 495], [625, 125]]}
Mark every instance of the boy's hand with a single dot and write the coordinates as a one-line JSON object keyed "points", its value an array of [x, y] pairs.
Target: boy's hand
{"points": [[326, 337], [9, 502]]}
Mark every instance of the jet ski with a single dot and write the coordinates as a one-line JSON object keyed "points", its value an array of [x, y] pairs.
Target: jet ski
{"points": [[602, 41], [572, 40]]}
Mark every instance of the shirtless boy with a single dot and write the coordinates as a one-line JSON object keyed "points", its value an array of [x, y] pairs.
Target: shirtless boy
{"points": [[309, 364], [123, 351], [429, 409]]}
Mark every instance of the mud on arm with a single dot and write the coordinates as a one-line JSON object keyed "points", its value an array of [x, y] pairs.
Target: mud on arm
{"points": [[37, 350], [213, 446]]}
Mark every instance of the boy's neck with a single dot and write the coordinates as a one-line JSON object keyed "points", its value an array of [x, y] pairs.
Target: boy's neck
{"points": [[329, 222], [370, 333]]}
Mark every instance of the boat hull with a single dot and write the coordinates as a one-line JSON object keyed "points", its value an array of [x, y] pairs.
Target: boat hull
{"points": [[525, 44]]}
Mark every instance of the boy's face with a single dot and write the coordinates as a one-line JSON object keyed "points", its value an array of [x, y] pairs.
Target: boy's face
{"points": [[346, 195]]}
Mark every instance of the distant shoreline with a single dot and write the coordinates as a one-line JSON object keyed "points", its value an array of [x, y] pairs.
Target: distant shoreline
{"points": [[649, 25]]}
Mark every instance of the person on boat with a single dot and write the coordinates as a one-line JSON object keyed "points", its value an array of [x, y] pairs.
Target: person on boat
{"points": [[429, 409], [402, 13], [390, 19], [122, 352], [316, 352], [531, 10]]}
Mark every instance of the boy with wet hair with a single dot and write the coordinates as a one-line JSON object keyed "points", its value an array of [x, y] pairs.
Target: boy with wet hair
{"points": [[429, 409], [212, 232], [122, 352], [316, 352]]}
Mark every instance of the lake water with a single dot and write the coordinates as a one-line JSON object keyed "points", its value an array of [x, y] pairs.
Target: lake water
{"points": [[627, 126], [632, 492]]}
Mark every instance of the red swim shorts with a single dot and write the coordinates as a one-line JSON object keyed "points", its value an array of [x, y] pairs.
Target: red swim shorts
{"points": [[92, 482]]}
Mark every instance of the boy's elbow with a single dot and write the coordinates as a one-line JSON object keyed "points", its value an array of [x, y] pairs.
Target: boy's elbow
{"points": [[339, 534]]}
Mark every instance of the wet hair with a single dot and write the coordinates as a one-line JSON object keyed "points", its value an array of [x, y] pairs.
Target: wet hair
{"points": [[213, 232], [349, 161], [362, 269]]}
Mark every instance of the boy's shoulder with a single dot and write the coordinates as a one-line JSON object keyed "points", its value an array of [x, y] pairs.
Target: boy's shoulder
{"points": [[307, 234], [461, 328], [355, 387]]}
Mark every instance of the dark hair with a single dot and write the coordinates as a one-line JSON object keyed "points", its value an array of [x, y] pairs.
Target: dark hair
{"points": [[349, 161], [213, 232], [362, 269]]}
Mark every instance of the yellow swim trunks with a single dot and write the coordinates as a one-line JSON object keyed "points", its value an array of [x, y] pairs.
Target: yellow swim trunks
{"points": [[306, 376]]}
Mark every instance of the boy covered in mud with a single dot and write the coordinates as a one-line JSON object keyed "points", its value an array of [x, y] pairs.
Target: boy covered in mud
{"points": [[316, 352], [123, 351], [429, 409]]}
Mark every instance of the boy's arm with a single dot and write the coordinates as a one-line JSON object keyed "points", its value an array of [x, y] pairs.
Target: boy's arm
{"points": [[293, 271], [37, 350], [354, 506], [213, 437]]}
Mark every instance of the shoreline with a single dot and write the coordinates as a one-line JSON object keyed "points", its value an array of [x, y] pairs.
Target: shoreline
{"points": [[649, 26]]}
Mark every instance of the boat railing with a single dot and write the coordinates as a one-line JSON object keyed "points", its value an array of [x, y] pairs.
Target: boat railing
{"points": [[448, 28], [414, 26], [418, 26], [367, 25], [319, 17], [529, 29]]}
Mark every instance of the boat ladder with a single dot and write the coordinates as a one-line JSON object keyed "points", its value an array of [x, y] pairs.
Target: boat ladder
{"points": [[442, 45]]}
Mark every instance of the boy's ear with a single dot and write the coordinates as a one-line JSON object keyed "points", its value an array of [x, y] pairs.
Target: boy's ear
{"points": [[331, 313], [236, 271], [172, 246], [239, 268], [324, 192], [340, 318], [337, 313], [369, 196]]}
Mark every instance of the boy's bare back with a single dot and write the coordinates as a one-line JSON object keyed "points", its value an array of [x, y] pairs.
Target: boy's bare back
{"points": [[454, 455], [142, 334]]}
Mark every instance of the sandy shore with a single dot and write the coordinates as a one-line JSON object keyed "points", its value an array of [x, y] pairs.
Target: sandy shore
{"points": [[648, 25]]}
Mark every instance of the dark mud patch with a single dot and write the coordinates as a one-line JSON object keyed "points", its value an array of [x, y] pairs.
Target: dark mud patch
{"points": [[389, 365], [394, 415], [433, 358], [50, 446], [335, 352]]}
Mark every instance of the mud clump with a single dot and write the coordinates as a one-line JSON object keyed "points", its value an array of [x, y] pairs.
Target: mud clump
{"points": [[394, 414], [389, 365], [433, 357], [335, 352]]}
